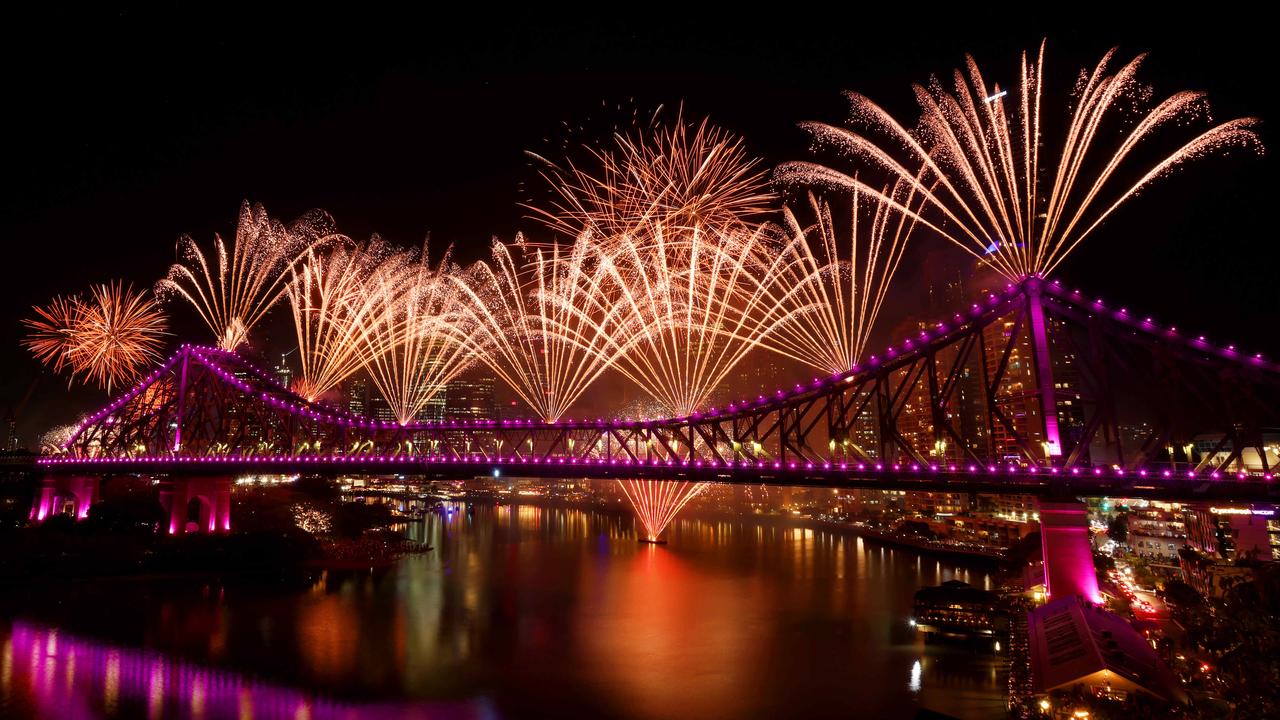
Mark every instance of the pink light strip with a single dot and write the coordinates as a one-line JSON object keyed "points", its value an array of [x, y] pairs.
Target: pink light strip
{"points": [[791, 468]]}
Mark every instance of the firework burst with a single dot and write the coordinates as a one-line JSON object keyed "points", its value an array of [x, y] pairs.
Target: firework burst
{"points": [[684, 305], [335, 302], [412, 332], [55, 439], [657, 502], [975, 158], [677, 175], [823, 305], [52, 337], [107, 337], [539, 324], [233, 290]]}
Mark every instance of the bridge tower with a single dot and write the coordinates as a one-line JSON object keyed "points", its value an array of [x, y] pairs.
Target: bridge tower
{"points": [[1044, 368]]}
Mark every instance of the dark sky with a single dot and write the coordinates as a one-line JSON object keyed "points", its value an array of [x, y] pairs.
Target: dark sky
{"points": [[125, 129]]}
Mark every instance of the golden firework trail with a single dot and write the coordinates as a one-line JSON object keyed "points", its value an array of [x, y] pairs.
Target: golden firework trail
{"points": [[822, 306], [233, 290], [412, 333], [976, 158], [674, 175], [108, 337], [690, 302], [334, 300], [657, 502], [538, 324]]}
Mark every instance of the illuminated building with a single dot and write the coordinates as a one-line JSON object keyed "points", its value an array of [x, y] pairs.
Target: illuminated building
{"points": [[470, 396], [993, 530], [357, 396], [1223, 541], [282, 373], [1009, 507], [1156, 533], [10, 433], [1017, 396], [380, 409], [930, 504]]}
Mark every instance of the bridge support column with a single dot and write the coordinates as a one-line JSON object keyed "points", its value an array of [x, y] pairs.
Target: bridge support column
{"points": [[1068, 554], [1044, 368], [64, 495], [199, 504]]}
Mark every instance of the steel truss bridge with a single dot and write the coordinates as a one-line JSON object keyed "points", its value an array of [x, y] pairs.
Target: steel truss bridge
{"points": [[1035, 389]]}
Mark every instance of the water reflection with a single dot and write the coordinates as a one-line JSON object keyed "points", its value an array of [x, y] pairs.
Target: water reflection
{"points": [[50, 673], [517, 611]]}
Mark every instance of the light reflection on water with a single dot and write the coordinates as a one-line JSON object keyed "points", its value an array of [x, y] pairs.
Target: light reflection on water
{"points": [[48, 673], [520, 611]]}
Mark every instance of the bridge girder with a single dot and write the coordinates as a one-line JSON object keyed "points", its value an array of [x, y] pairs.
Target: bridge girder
{"points": [[967, 391]]}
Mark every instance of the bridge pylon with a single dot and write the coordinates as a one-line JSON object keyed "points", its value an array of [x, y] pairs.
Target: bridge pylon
{"points": [[1067, 550], [64, 495], [200, 504]]}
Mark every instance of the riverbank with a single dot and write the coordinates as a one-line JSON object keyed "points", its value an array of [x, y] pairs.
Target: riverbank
{"points": [[926, 546]]}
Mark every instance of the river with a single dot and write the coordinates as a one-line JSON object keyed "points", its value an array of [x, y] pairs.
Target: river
{"points": [[517, 611]]}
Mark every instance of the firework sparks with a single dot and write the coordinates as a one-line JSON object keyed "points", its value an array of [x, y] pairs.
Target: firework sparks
{"points": [[334, 307], [54, 441], [108, 337], [657, 502], [677, 175], [412, 333], [827, 303], [539, 325], [692, 301], [235, 290], [53, 338], [975, 159]]}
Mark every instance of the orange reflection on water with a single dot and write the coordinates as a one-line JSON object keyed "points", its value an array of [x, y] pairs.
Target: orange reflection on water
{"points": [[667, 638], [328, 633]]}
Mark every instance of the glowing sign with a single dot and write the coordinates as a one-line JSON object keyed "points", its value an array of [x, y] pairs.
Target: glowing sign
{"points": [[1241, 511]]}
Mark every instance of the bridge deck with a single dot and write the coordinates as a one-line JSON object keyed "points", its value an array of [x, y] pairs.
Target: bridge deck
{"points": [[1076, 482]]}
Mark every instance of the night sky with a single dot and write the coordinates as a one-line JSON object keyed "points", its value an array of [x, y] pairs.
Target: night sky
{"points": [[125, 130]]}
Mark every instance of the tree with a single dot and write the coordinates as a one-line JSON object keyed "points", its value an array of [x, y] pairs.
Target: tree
{"points": [[1181, 594], [1118, 528]]}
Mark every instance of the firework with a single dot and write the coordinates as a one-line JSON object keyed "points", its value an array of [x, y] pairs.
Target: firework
{"points": [[691, 302], [827, 302], [975, 159], [55, 440], [677, 175], [412, 333], [108, 337], [657, 502], [52, 337], [334, 300], [539, 324], [233, 291]]}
